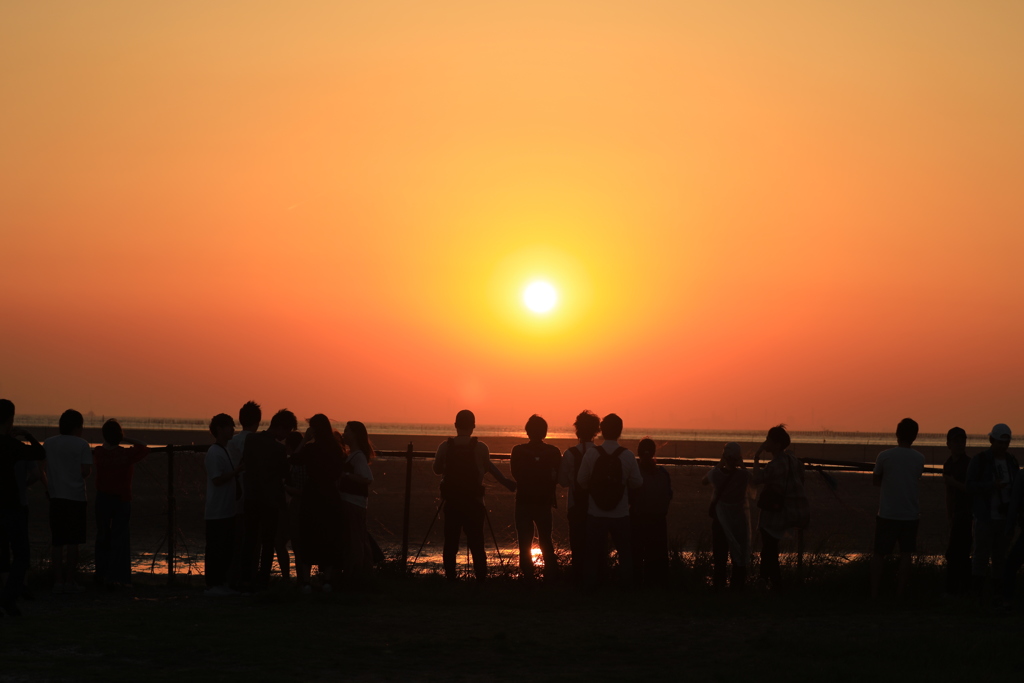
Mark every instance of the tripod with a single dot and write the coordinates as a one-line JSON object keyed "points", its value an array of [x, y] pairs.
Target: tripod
{"points": [[437, 513]]}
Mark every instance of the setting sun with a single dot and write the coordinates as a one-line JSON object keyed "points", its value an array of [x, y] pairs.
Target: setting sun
{"points": [[540, 297]]}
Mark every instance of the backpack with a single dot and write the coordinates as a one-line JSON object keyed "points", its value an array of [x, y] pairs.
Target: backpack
{"points": [[606, 485], [461, 477]]}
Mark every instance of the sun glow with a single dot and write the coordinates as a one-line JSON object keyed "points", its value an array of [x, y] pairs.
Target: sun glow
{"points": [[540, 296]]}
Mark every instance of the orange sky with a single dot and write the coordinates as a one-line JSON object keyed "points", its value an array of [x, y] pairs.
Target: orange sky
{"points": [[754, 212]]}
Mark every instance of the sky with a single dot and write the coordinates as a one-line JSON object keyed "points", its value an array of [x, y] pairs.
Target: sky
{"points": [[752, 213]]}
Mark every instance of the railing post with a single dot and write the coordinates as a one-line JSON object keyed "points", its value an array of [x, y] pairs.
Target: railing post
{"points": [[172, 508], [408, 504]]}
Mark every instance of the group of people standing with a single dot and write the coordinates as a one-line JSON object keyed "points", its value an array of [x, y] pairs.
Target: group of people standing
{"points": [[266, 489], [614, 493], [604, 482], [984, 505], [782, 506], [63, 463]]}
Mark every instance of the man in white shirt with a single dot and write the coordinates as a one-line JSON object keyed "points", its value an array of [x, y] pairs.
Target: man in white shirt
{"points": [[68, 465], [222, 495], [608, 511], [897, 471]]}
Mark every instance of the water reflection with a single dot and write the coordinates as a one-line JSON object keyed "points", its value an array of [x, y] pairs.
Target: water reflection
{"points": [[430, 560]]}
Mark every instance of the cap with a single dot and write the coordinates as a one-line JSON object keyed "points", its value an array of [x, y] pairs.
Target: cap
{"points": [[1000, 432]]}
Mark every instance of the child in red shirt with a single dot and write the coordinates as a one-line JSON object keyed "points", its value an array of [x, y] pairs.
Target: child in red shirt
{"points": [[115, 466]]}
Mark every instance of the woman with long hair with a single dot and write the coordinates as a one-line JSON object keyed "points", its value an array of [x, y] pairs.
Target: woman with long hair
{"points": [[320, 505], [648, 517], [782, 502], [354, 485], [730, 518]]}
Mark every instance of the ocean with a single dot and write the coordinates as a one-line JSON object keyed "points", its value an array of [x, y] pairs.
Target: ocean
{"points": [[440, 431]]}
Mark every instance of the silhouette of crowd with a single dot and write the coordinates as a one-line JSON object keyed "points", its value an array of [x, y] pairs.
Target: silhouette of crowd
{"points": [[266, 490]]}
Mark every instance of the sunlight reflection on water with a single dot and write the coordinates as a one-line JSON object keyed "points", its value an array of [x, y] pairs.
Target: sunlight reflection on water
{"points": [[430, 560]]}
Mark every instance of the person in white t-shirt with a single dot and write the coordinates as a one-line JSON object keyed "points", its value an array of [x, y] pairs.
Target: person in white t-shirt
{"points": [[223, 492], [898, 472], [68, 465], [610, 516]]}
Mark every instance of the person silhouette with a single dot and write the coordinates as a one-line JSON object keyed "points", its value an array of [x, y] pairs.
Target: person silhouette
{"points": [[958, 512], [535, 468], [897, 471], [782, 502], [320, 507], [223, 493], [730, 518], [462, 461], [68, 465], [587, 425], [355, 495], [115, 468], [13, 507], [990, 478], [250, 415], [607, 472], [265, 460], [648, 516]]}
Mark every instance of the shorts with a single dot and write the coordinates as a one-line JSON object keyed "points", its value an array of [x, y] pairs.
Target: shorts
{"points": [[889, 532], [67, 521]]}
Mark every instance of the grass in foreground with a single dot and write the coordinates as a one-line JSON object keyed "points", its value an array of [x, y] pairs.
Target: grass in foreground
{"points": [[422, 628]]}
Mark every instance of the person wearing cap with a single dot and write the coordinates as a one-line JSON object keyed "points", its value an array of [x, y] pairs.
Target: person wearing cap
{"points": [[730, 518], [989, 479]]}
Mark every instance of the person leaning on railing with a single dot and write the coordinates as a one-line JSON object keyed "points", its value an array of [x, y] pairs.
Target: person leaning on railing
{"points": [[115, 468], [782, 503]]}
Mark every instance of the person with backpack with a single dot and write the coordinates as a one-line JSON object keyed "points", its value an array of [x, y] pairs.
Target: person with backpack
{"points": [[587, 426], [535, 468], [782, 502], [462, 462], [607, 471], [648, 517], [730, 518]]}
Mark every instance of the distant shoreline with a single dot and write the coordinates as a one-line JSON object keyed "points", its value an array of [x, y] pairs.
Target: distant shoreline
{"points": [[501, 444], [162, 431]]}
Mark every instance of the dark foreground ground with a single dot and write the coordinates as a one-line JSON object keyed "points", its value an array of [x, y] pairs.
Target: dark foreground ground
{"points": [[423, 628]]}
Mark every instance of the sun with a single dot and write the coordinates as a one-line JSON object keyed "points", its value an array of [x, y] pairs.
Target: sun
{"points": [[540, 296]]}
